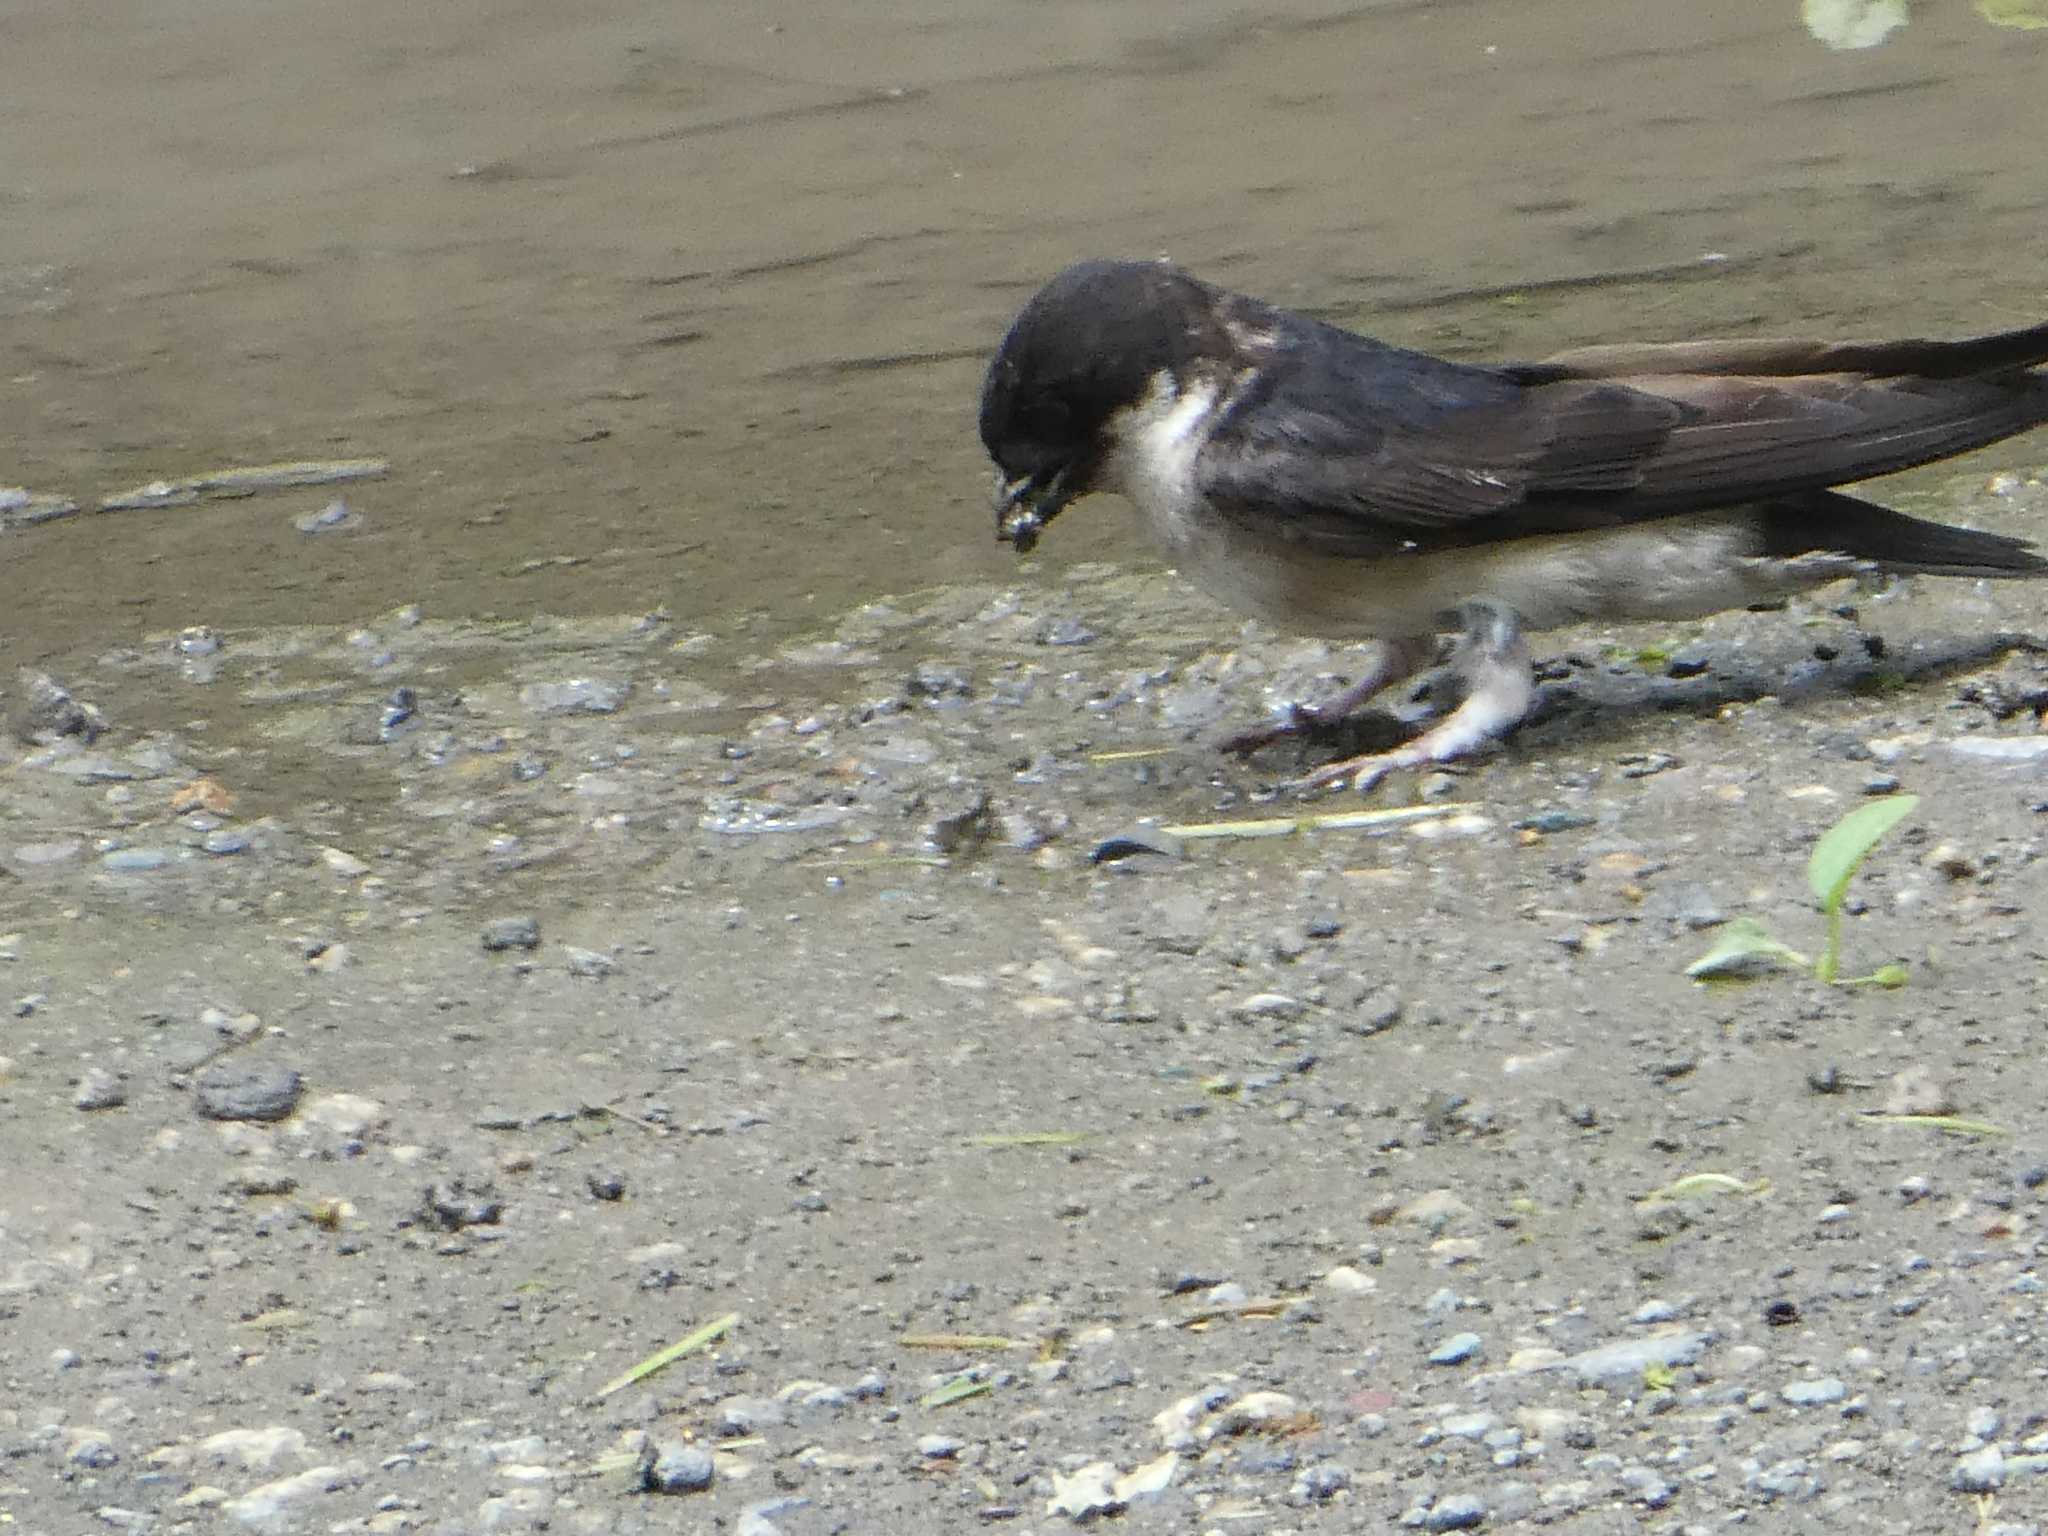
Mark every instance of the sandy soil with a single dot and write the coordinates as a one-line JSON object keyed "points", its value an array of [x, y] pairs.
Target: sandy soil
{"points": [[1286, 1184], [634, 981]]}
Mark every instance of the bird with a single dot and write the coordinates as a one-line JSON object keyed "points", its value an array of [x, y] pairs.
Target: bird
{"points": [[1334, 485]]}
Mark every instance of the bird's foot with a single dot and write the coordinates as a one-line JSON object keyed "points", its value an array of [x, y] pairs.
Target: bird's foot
{"points": [[1392, 661], [1296, 720], [1362, 773], [1493, 661]]}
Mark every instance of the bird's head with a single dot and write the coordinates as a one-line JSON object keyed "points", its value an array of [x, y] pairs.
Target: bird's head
{"points": [[1087, 347]]}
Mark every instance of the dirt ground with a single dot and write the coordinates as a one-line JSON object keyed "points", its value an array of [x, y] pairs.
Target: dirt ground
{"points": [[632, 981], [563, 907]]}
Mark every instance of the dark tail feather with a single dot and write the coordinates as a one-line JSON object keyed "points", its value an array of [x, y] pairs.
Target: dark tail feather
{"points": [[1891, 541], [1776, 357]]}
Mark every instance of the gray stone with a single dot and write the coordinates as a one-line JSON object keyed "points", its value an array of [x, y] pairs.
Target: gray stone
{"points": [[130, 861], [1469, 1426], [99, 1089], [1792, 1479], [1811, 1394], [1626, 1361], [1979, 1472], [742, 1416], [2001, 749], [1645, 1487], [590, 964], [519, 932], [258, 1091], [1455, 1512], [270, 1507], [677, 1468], [1323, 1480], [574, 696], [1457, 1349]]}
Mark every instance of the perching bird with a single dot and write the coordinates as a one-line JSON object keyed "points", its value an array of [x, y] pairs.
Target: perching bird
{"points": [[1335, 485]]}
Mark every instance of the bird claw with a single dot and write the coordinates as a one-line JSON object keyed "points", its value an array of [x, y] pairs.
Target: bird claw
{"points": [[1298, 720], [1362, 774]]}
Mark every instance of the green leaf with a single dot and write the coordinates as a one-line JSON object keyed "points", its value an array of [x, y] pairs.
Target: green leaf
{"points": [[688, 1344], [954, 1389], [1743, 949], [1954, 1125], [2028, 14], [1698, 1186], [1844, 846]]}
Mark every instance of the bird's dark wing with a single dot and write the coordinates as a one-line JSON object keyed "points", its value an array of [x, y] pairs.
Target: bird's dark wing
{"points": [[1361, 448]]}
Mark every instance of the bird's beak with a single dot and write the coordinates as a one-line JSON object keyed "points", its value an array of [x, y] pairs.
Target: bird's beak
{"points": [[1025, 505]]}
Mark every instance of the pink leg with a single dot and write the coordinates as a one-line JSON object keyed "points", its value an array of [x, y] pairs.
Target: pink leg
{"points": [[1393, 661], [1493, 659]]}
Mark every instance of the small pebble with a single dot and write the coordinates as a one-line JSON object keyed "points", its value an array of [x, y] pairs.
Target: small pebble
{"points": [[678, 1468], [131, 861], [1455, 1512], [1469, 1426], [1809, 1394], [1645, 1487], [1314, 1484], [247, 1092], [332, 518], [1981, 1471], [1457, 1349], [99, 1089], [511, 933]]}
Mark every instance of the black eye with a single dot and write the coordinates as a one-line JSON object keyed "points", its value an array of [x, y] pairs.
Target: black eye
{"points": [[1046, 419]]}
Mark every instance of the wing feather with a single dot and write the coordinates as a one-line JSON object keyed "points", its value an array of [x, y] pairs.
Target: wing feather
{"points": [[1363, 448]]}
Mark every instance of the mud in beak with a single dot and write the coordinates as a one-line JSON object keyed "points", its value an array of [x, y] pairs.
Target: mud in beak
{"points": [[1024, 506]]}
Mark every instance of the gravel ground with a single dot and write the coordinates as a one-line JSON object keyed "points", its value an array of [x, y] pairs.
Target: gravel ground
{"points": [[409, 1029]]}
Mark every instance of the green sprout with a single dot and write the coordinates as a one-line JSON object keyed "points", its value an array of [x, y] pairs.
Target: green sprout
{"points": [[1836, 858], [1745, 949]]}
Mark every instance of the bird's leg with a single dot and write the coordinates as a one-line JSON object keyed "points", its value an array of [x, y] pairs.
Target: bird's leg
{"points": [[1392, 662], [1492, 659]]}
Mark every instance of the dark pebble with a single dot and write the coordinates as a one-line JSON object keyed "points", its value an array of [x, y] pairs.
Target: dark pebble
{"points": [[1066, 632], [99, 1089], [939, 680], [511, 933], [962, 824], [1136, 841], [677, 1468], [606, 1183], [1455, 1512], [1554, 821], [248, 1093], [455, 1203]]}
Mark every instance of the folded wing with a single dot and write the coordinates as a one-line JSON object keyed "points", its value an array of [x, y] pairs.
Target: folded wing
{"points": [[1361, 448]]}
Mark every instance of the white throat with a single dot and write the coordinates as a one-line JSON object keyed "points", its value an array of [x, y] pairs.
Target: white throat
{"points": [[1156, 443]]}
